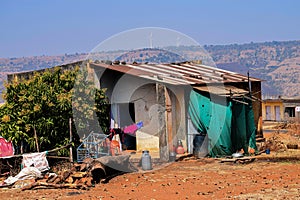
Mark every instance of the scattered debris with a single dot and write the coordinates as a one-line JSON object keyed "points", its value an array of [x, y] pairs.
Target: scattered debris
{"points": [[241, 160], [292, 146], [274, 143], [86, 174]]}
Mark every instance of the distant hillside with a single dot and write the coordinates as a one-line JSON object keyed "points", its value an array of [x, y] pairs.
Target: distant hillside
{"points": [[278, 63], [151, 56]]}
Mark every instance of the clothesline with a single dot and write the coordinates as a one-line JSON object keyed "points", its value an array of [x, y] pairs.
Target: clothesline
{"points": [[49, 151]]}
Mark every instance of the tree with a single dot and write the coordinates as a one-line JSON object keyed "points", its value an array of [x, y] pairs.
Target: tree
{"points": [[43, 103]]}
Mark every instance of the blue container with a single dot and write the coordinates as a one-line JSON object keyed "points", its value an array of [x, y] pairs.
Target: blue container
{"points": [[146, 161], [267, 151]]}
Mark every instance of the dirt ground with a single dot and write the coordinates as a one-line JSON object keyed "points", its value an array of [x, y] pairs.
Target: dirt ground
{"points": [[272, 176], [188, 179]]}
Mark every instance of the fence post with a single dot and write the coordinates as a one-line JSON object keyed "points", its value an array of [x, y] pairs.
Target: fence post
{"points": [[71, 136]]}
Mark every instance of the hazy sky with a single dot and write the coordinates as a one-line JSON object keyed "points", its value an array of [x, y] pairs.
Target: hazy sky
{"points": [[51, 27]]}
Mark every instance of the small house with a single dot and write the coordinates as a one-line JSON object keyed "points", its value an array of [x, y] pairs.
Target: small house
{"points": [[177, 101], [281, 109]]}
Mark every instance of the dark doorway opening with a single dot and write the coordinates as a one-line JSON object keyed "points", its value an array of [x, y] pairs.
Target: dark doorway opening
{"points": [[290, 111]]}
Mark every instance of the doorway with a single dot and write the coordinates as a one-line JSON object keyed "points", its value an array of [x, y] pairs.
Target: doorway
{"points": [[277, 113], [123, 115], [268, 113]]}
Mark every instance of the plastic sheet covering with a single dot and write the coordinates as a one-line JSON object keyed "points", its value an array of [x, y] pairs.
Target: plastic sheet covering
{"points": [[229, 125], [25, 173], [37, 160]]}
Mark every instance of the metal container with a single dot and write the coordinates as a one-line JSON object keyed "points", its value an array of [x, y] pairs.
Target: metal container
{"points": [[172, 157], [200, 146], [146, 160], [237, 155]]}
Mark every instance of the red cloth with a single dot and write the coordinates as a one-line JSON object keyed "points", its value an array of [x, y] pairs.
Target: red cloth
{"points": [[6, 148]]}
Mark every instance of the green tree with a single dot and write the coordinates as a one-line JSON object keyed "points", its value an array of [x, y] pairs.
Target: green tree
{"points": [[43, 103]]}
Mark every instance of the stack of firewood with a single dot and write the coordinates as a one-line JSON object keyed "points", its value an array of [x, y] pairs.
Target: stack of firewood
{"points": [[86, 174]]}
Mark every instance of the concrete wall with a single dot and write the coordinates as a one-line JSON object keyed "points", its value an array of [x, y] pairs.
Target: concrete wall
{"points": [[146, 110], [124, 88], [273, 116]]}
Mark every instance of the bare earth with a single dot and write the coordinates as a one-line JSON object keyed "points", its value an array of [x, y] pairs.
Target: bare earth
{"points": [[188, 179]]}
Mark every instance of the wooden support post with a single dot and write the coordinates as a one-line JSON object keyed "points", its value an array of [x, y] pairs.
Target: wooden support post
{"points": [[169, 119], [163, 141], [36, 140], [71, 136]]}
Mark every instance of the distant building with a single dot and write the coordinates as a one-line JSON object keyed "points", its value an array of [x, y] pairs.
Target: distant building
{"points": [[281, 109]]}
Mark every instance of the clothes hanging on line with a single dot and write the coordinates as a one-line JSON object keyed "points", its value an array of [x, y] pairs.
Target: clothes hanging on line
{"points": [[131, 129]]}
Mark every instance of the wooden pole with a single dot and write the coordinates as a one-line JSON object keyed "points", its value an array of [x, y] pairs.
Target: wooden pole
{"points": [[163, 140], [71, 136], [169, 117], [22, 148], [36, 140]]}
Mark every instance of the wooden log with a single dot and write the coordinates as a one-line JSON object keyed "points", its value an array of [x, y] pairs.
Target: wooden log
{"points": [[89, 181], [240, 160], [79, 174], [52, 185], [51, 179], [75, 167], [83, 167], [57, 180], [65, 174], [69, 179], [98, 172]]}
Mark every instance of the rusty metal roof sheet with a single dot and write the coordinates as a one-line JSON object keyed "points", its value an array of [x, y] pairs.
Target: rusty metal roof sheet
{"points": [[224, 90], [186, 73]]}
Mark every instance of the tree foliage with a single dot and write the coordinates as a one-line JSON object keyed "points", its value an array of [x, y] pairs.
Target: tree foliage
{"points": [[44, 103]]}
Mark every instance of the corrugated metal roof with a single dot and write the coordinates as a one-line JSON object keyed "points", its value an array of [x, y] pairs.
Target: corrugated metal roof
{"points": [[186, 73], [223, 90]]}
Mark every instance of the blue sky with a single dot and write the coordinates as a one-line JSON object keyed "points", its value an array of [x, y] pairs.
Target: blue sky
{"points": [[52, 27]]}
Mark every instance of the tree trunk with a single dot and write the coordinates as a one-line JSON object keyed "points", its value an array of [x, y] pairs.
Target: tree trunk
{"points": [[36, 140]]}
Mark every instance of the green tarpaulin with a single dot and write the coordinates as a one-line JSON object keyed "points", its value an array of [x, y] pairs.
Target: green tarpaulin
{"points": [[229, 125]]}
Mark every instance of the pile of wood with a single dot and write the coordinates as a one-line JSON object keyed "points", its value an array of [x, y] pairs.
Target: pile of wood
{"points": [[274, 143], [86, 174]]}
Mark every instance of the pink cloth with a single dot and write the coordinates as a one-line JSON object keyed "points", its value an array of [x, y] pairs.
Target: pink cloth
{"points": [[6, 148], [131, 129]]}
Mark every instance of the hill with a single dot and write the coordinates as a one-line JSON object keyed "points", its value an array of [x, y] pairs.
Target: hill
{"points": [[278, 63]]}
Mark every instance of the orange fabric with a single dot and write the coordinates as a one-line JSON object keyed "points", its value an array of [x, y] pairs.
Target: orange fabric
{"points": [[114, 147]]}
